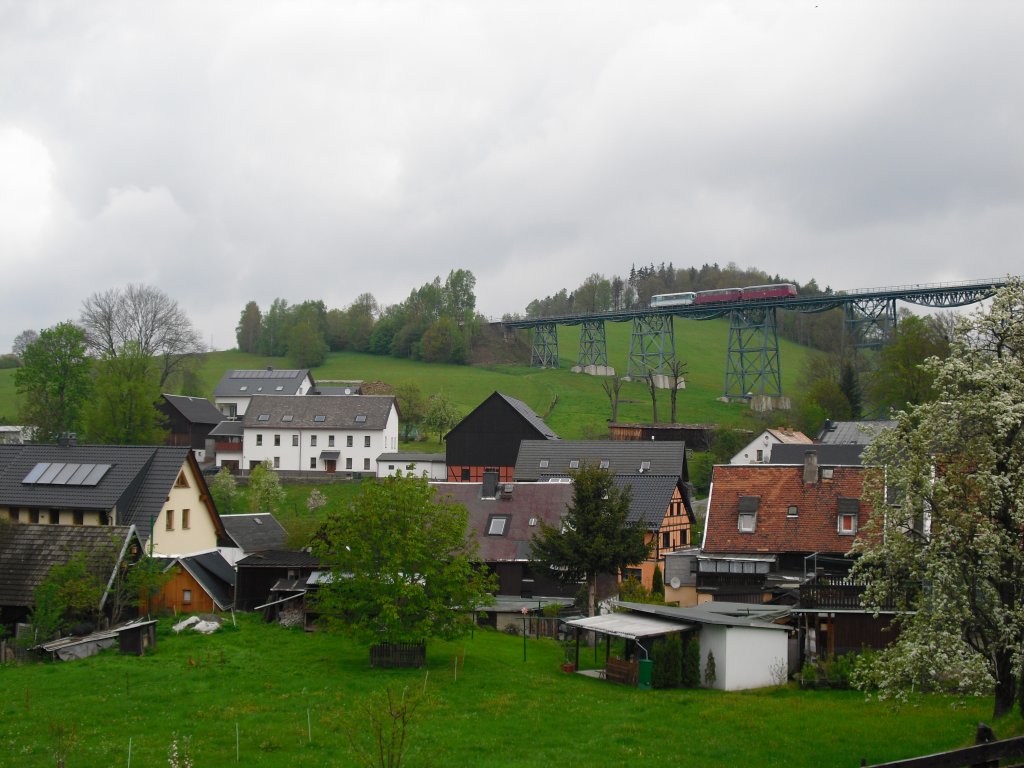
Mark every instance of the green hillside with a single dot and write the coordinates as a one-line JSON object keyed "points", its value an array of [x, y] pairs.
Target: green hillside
{"points": [[573, 405]]}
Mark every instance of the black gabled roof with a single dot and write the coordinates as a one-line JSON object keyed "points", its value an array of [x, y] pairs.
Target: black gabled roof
{"points": [[361, 412], [624, 457], [829, 455], [195, 410], [526, 412], [262, 381], [28, 551], [255, 532]]}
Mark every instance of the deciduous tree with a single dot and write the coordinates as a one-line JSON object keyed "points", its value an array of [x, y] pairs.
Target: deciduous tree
{"points": [[22, 340], [944, 545], [54, 381], [265, 491], [404, 565], [595, 536], [145, 320], [123, 407], [441, 415]]}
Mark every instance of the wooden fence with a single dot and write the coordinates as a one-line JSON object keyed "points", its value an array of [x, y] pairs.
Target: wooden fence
{"points": [[984, 754], [398, 655]]}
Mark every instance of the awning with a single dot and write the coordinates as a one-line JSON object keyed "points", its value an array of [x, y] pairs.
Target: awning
{"points": [[628, 625], [330, 454]]}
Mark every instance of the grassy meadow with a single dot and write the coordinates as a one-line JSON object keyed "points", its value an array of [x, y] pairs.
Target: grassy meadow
{"points": [[573, 405], [301, 699]]}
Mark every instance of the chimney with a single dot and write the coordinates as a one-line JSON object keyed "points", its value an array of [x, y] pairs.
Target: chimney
{"points": [[811, 467]]}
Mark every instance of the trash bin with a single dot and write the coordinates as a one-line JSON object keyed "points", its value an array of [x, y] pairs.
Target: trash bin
{"points": [[644, 672]]}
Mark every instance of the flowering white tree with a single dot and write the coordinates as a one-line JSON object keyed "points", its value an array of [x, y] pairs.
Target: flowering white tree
{"points": [[949, 549]]}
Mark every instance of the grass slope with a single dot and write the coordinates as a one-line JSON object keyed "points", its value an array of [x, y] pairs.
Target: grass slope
{"points": [[273, 684], [574, 405]]}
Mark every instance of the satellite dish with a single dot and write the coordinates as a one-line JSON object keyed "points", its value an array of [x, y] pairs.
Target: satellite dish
{"points": [[675, 582]]}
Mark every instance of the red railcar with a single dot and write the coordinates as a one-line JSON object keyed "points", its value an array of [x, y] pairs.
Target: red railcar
{"points": [[776, 291], [718, 294]]}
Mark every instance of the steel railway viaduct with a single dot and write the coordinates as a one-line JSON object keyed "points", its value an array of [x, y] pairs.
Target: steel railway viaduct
{"points": [[752, 363]]}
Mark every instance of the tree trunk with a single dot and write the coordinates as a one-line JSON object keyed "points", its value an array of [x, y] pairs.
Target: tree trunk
{"points": [[1006, 685], [592, 596]]}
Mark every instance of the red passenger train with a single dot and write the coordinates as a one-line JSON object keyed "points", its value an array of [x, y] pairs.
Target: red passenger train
{"points": [[750, 293]]}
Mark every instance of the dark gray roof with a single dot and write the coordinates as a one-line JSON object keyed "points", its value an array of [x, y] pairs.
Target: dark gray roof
{"points": [[211, 571], [137, 483], [650, 496], [247, 383], [27, 552], [197, 410], [364, 412], [256, 532], [279, 558], [528, 413], [828, 455], [852, 432], [227, 428], [624, 457]]}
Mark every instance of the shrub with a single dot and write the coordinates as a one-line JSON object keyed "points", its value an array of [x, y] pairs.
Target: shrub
{"points": [[666, 671], [691, 663], [658, 583]]}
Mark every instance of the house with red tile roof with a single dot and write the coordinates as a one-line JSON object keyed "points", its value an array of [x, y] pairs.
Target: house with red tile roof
{"points": [[782, 533]]}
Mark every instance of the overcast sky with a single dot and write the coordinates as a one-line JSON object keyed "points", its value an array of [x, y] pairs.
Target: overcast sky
{"points": [[236, 151]]}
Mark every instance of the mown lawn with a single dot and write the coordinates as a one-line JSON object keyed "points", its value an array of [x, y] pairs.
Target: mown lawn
{"points": [[299, 699]]}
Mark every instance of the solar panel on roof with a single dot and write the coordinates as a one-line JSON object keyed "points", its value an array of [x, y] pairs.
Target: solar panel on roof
{"points": [[36, 471], [98, 471], [51, 472], [65, 473], [80, 474]]}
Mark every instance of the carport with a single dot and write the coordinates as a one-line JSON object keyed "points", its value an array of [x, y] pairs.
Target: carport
{"points": [[634, 629]]}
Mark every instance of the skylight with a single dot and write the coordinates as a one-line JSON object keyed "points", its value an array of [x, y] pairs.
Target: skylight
{"points": [[287, 417], [263, 417], [319, 418], [361, 418]]}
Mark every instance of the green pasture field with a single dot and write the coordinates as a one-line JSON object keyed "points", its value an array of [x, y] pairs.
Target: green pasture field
{"points": [[573, 405], [299, 699]]}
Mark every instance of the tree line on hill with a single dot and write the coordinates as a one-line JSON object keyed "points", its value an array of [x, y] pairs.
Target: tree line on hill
{"points": [[438, 323]]}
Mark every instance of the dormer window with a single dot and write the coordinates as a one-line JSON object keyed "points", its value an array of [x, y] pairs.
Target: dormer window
{"points": [[847, 517], [746, 521]]}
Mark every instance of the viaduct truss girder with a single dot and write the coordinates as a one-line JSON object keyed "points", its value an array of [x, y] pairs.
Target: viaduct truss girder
{"points": [[652, 345], [752, 366], [544, 350], [593, 344]]}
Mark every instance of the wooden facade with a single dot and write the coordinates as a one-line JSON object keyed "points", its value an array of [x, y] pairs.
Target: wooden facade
{"points": [[182, 594]]}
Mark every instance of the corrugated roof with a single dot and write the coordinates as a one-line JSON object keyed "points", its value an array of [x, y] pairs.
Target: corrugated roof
{"points": [[853, 432], [628, 625], [555, 457], [720, 613], [365, 412]]}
